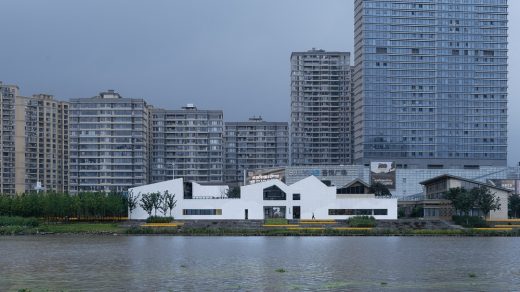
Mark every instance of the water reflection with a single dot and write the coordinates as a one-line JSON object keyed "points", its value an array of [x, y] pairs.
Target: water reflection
{"points": [[150, 263]]}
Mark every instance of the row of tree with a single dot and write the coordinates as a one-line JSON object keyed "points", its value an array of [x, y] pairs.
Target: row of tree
{"points": [[481, 198], [63, 205], [152, 202]]}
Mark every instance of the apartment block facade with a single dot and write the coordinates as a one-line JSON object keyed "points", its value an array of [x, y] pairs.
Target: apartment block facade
{"points": [[8, 95], [320, 108], [46, 143], [255, 144], [108, 143], [34, 142], [431, 82], [187, 143]]}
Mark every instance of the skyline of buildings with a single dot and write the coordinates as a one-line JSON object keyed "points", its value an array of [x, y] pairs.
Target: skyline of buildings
{"points": [[428, 89]]}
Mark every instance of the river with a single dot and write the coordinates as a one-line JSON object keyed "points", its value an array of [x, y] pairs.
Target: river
{"points": [[166, 263]]}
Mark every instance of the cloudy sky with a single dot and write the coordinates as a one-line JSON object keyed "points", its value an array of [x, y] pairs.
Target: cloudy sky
{"points": [[230, 54]]}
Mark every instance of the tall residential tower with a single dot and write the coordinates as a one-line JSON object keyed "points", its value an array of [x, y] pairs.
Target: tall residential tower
{"points": [[33, 142], [320, 108], [108, 143], [431, 82], [187, 143], [255, 144]]}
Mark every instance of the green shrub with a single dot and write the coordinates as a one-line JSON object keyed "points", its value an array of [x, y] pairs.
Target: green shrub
{"points": [[362, 221], [470, 221], [159, 219], [276, 221], [18, 221]]}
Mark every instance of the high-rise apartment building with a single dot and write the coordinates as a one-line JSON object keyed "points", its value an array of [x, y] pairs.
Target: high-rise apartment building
{"points": [[187, 143], [8, 94], [320, 108], [34, 142], [255, 144], [431, 82], [46, 143], [108, 143]]}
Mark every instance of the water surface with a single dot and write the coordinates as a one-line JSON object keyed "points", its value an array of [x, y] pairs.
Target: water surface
{"points": [[165, 263]]}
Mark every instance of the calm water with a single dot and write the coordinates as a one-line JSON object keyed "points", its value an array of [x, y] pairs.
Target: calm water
{"points": [[151, 263]]}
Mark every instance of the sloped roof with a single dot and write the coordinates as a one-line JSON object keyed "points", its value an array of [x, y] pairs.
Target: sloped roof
{"points": [[448, 176], [311, 178], [357, 180]]}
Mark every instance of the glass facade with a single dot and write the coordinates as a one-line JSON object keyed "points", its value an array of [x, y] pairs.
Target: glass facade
{"points": [[431, 82]]}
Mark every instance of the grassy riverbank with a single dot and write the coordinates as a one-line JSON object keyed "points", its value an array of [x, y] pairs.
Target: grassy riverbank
{"points": [[32, 226], [87, 228], [25, 226]]}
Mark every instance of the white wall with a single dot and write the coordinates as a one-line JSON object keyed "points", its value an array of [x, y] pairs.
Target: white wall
{"points": [[315, 197]]}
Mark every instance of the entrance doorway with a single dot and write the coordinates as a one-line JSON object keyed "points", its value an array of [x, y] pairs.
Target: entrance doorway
{"points": [[246, 213], [296, 212]]}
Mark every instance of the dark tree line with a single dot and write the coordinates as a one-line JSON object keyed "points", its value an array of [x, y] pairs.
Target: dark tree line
{"points": [[52, 205]]}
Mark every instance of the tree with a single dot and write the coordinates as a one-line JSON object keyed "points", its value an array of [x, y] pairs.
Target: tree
{"points": [[156, 200], [233, 193], [514, 205], [380, 190], [485, 200], [132, 202], [164, 204], [169, 201], [461, 199], [146, 203]]}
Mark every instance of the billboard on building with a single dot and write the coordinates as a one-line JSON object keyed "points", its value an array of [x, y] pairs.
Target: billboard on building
{"points": [[510, 184], [256, 176], [384, 173]]}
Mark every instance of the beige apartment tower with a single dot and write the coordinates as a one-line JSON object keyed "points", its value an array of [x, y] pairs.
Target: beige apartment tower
{"points": [[47, 143], [33, 142]]}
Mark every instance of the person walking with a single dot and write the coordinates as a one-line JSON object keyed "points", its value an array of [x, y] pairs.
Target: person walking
{"points": [[313, 216]]}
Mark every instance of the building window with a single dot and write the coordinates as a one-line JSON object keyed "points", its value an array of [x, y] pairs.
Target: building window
{"points": [[357, 212], [274, 193], [296, 197], [380, 211], [359, 189], [202, 212], [380, 50]]}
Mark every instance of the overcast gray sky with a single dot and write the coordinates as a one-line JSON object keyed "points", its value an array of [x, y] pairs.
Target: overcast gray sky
{"points": [[229, 54]]}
